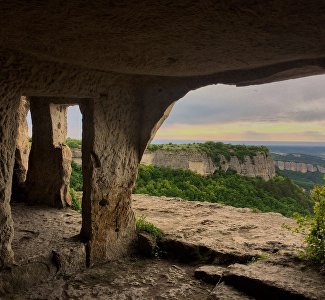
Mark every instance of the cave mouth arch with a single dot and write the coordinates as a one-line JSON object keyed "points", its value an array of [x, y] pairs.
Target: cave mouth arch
{"points": [[93, 156]]}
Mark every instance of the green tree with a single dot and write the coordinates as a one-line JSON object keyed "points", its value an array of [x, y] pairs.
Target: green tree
{"points": [[315, 240]]}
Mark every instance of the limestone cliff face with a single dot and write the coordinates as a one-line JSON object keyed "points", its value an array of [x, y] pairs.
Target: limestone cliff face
{"points": [[260, 165], [195, 161], [298, 166]]}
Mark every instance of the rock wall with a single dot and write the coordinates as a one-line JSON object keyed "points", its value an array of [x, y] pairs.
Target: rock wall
{"points": [[21, 153], [195, 161], [260, 165], [76, 155], [298, 166]]}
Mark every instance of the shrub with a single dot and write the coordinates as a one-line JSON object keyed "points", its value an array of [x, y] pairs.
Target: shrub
{"points": [[315, 240], [74, 143], [143, 225], [76, 179], [76, 203]]}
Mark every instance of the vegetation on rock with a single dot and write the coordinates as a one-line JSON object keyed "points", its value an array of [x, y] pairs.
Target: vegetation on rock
{"points": [[278, 194], [213, 149], [76, 176], [313, 227], [76, 202], [305, 180], [74, 143], [316, 238], [143, 225]]}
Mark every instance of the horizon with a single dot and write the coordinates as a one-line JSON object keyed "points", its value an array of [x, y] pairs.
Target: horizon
{"points": [[273, 143]]}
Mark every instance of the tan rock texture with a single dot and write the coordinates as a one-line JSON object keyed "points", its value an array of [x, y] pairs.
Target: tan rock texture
{"points": [[222, 229], [260, 165], [195, 161], [48, 177], [21, 153], [114, 138], [182, 38], [76, 155], [282, 275], [298, 167], [9, 105]]}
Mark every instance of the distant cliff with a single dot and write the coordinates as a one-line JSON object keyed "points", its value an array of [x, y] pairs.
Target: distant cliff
{"points": [[298, 166], [206, 158], [254, 164], [302, 163]]}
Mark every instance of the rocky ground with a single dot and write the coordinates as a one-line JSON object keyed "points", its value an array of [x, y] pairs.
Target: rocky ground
{"points": [[209, 251]]}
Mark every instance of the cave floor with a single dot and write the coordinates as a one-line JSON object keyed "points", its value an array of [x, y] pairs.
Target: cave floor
{"points": [[195, 234], [132, 278]]}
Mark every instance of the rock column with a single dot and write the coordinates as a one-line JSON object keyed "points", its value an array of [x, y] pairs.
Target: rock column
{"points": [[9, 102], [21, 153], [48, 177], [113, 143]]}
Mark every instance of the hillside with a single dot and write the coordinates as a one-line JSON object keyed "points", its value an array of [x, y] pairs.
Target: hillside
{"points": [[221, 186], [304, 170], [278, 194]]}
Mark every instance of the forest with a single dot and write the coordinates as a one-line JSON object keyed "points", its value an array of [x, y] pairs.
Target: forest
{"points": [[279, 194]]}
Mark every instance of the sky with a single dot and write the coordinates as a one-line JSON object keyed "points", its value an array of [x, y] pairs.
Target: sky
{"points": [[291, 110]]}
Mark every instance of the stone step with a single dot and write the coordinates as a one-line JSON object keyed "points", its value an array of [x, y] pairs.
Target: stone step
{"points": [[267, 280], [209, 273], [194, 253], [226, 292]]}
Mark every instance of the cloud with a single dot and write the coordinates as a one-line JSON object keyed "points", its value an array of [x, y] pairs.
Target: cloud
{"points": [[292, 100]]}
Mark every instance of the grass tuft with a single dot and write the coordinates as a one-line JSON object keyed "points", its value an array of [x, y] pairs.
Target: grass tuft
{"points": [[143, 225]]}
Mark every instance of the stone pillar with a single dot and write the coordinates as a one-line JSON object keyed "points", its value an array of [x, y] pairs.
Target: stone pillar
{"points": [[22, 152], [48, 177], [9, 102], [111, 152]]}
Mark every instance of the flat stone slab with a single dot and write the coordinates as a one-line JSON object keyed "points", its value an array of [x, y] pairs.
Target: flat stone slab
{"points": [[218, 228], [211, 274], [277, 280]]}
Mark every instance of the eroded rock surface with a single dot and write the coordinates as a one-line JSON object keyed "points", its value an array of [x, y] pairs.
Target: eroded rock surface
{"points": [[38, 232], [210, 273], [125, 279], [226, 292], [260, 165], [277, 278], [21, 153], [206, 227], [48, 177], [215, 231], [298, 166], [195, 161]]}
